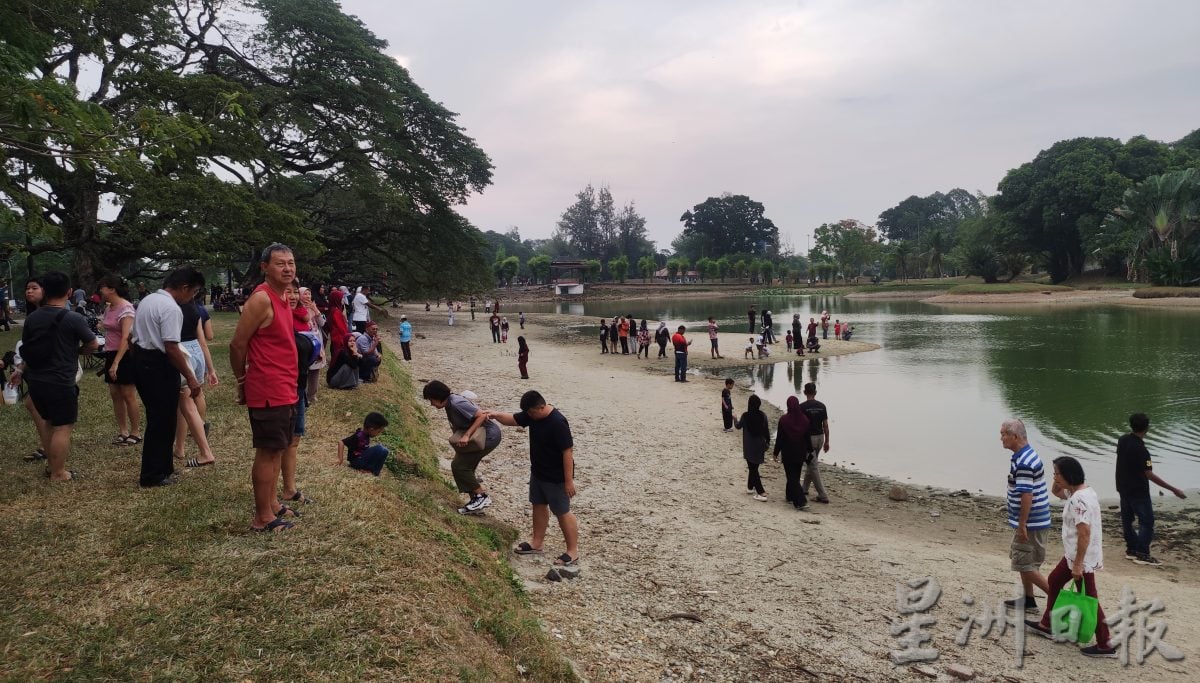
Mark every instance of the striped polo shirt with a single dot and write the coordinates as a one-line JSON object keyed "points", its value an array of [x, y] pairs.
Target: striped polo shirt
{"points": [[1026, 475]]}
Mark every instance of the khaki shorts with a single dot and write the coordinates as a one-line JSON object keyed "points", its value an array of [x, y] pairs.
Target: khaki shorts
{"points": [[272, 427], [1029, 556]]}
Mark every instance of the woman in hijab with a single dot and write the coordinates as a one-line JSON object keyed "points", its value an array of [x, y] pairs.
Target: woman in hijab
{"points": [[792, 441], [661, 337], [339, 329], [756, 436]]}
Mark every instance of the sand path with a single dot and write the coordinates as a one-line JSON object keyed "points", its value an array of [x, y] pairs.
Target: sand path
{"points": [[668, 534]]}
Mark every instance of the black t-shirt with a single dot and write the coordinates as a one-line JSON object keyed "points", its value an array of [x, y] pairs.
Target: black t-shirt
{"points": [[817, 415], [191, 318], [70, 333], [1133, 462], [548, 438]]}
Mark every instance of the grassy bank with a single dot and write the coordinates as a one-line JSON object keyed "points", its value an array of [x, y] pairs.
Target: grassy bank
{"points": [[1167, 292], [380, 579], [1007, 288]]}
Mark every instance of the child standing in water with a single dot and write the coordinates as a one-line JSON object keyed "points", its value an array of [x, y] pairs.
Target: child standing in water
{"points": [[522, 357]]}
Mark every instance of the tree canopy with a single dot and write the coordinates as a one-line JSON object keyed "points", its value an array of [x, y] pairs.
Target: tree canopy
{"points": [[150, 132], [728, 224]]}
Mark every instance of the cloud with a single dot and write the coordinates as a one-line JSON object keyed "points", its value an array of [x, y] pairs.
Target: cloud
{"points": [[823, 109]]}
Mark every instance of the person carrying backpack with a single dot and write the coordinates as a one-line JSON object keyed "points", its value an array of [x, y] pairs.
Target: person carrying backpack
{"points": [[52, 339]]}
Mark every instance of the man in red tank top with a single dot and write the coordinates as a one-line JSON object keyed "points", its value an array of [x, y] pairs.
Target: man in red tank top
{"points": [[263, 356]]}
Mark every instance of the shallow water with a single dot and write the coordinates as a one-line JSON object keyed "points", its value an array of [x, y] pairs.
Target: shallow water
{"points": [[927, 406]]}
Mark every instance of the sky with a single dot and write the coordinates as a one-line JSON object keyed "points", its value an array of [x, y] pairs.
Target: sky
{"points": [[819, 110]]}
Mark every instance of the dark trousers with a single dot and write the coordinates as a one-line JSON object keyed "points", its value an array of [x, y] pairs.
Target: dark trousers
{"points": [[1143, 508], [405, 350], [794, 492], [522, 365], [662, 350], [604, 344], [680, 366], [360, 325], [751, 330], [495, 335], [824, 333], [1059, 578], [367, 367], [371, 460], [625, 345], [727, 418], [157, 384], [753, 481]]}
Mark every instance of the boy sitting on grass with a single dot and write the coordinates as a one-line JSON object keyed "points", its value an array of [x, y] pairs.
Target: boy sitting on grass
{"points": [[358, 449]]}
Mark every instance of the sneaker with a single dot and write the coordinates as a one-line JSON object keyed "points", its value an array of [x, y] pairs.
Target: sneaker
{"points": [[750, 492], [1097, 651], [1130, 555], [1030, 604], [478, 503], [1147, 560], [727, 430], [759, 497], [1036, 627]]}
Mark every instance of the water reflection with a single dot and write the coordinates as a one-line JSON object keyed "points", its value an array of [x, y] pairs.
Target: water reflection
{"points": [[927, 406]]}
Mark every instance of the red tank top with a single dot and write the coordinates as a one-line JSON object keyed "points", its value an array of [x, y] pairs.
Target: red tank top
{"points": [[272, 368]]}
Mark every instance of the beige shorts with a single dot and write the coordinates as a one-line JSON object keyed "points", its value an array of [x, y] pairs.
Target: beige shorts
{"points": [[1028, 556]]}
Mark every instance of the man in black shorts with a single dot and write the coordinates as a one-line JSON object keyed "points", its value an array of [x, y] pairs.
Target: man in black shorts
{"points": [[51, 341], [552, 473]]}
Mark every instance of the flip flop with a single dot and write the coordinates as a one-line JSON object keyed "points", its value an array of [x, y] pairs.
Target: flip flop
{"points": [[276, 526], [566, 560], [285, 511], [193, 462], [133, 439], [120, 440], [39, 454], [299, 498], [524, 548]]}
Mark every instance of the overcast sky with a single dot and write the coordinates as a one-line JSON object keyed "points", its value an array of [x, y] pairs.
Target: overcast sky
{"points": [[820, 110]]}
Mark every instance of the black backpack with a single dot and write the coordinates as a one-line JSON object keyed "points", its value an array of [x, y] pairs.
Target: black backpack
{"points": [[37, 349]]}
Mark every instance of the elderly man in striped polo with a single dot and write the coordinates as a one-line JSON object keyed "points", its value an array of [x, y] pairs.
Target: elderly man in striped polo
{"points": [[1028, 512]]}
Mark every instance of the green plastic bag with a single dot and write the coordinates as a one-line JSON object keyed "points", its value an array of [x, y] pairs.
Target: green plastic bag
{"points": [[1074, 615]]}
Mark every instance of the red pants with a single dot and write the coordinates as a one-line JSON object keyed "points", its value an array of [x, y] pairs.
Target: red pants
{"points": [[521, 361], [1059, 578]]}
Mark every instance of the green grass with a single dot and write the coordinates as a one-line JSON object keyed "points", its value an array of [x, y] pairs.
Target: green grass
{"points": [[1167, 292], [103, 581]]}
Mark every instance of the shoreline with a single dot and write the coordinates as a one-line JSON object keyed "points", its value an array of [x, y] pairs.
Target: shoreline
{"points": [[1080, 297], [667, 528]]}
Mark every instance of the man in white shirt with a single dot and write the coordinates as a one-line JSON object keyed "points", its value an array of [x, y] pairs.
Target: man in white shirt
{"points": [[161, 365], [360, 306]]}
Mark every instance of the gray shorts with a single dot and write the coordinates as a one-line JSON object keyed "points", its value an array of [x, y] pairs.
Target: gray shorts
{"points": [[550, 493], [1028, 557]]}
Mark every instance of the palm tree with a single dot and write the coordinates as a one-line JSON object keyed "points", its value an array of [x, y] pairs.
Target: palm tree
{"points": [[1164, 210], [935, 247]]}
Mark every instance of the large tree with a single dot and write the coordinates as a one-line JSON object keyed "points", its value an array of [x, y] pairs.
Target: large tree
{"points": [[592, 227], [1059, 199], [213, 137], [729, 224], [916, 215]]}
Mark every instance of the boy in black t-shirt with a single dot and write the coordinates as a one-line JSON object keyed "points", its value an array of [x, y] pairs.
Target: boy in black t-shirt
{"points": [[1135, 471], [357, 447], [552, 473]]}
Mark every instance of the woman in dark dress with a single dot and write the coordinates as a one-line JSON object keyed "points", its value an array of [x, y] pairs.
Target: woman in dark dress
{"points": [[794, 445], [756, 436]]}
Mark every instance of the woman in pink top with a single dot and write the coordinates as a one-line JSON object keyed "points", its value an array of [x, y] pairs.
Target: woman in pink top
{"points": [[118, 366]]}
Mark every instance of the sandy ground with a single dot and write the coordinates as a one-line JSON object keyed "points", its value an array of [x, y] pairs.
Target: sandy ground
{"points": [[684, 577]]}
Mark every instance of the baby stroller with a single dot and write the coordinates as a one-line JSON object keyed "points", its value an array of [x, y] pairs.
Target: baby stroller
{"points": [[95, 359]]}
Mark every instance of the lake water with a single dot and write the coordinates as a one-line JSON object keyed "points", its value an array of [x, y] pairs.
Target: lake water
{"points": [[927, 406]]}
